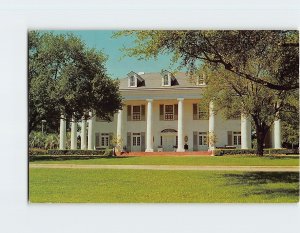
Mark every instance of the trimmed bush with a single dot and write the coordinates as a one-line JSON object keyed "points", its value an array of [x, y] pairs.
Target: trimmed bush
{"points": [[37, 151], [107, 152], [220, 152]]}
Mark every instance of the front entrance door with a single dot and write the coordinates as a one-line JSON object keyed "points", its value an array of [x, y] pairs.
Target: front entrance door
{"points": [[168, 142], [136, 142]]}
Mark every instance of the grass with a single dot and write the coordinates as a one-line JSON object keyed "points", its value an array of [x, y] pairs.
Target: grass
{"points": [[139, 186], [178, 160]]}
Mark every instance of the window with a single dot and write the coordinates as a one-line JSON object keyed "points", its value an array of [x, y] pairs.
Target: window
{"points": [[136, 113], [169, 112], [132, 81], [166, 80], [202, 138], [201, 80], [237, 138], [104, 140], [136, 139], [202, 114]]}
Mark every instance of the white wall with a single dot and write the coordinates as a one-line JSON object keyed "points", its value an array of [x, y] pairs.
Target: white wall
{"points": [[189, 125]]}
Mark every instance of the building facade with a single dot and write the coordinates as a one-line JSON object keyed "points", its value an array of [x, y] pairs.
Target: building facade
{"points": [[161, 112]]}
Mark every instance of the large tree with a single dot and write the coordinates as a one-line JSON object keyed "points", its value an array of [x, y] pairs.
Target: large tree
{"points": [[277, 51], [262, 105], [66, 77]]}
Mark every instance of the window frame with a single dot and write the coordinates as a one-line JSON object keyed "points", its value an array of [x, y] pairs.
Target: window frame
{"points": [[202, 139], [140, 113], [132, 81], [202, 115], [236, 138], [173, 112], [104, 140]]}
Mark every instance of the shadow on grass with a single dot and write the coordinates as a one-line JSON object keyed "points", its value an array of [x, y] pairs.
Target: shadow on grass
{"points": [[62, 158], [258, 179]]}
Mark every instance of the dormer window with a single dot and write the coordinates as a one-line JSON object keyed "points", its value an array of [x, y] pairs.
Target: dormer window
{"points": [[132, 82], [201, 80], [168, 79], [135, 80]]}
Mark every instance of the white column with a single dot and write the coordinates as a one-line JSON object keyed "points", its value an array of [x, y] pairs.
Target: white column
{"points": [[149, 137], [245, 132], [91, 137], [277, 134], [180, 147], [73, 134], [119, 129], [83, 135], [211, 126], [62, 133]]}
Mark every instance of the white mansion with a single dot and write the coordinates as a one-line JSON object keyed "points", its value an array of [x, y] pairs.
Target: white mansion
{"points": [[161, 113]]}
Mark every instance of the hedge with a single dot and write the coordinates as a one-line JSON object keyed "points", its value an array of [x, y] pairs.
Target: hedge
{"points": [[220, 152], [37, 151], [80, 152]]}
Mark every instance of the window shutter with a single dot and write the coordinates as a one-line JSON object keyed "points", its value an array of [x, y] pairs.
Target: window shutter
{"points": [[110, 139], [128, 141], [195, 141], [142, 112], [128, 112], [229, 138], [97, 139], [195, 112], [143, 147], [161, 112], [176, 111]]}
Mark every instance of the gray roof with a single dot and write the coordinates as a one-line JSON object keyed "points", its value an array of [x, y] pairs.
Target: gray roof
{"points": [[154, 80]]}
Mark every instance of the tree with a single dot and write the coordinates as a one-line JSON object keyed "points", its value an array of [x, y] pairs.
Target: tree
{"points": [[233, 96], [277, 51], [66, 77]]}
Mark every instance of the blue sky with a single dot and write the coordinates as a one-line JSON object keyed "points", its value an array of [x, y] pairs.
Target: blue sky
{"points": [[117, 67]]}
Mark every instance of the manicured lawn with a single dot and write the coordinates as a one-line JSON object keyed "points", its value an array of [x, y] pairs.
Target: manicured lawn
{"points": [[177, 160], [101, 185]]}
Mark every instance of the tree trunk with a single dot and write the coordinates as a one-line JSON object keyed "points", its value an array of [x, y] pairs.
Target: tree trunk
{"points": [[260, 142]]}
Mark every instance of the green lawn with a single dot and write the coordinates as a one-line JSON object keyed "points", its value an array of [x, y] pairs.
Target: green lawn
{"points": [[177, 160], [101, 185]]}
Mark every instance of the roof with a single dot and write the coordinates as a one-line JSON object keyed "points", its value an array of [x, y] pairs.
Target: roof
{"points": [[154, 80]]}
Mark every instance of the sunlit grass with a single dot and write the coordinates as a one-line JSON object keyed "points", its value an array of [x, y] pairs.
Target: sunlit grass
{"points": [[123, 186]]}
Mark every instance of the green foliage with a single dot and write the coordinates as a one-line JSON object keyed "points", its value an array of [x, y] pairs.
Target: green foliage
{"points": [[231, 49], [80, 152], [37, 151], [64, 76], [43, 141]]}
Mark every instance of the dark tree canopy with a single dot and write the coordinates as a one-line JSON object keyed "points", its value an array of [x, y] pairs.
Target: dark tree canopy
{"points": [[64, 76], [276, 52]]}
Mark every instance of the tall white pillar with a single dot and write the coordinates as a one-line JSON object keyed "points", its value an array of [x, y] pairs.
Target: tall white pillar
{"points": [[149, 137], [119, 128], [62, 133], [180, 147], [211, 126], [277, 134], [83, 135], [73, 134], [245, 132], [91, 138]]}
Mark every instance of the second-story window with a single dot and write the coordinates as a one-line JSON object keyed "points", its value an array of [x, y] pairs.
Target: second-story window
{"points": [[169, 112], [136, 113]]}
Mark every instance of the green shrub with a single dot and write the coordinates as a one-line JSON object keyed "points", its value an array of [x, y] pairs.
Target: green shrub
{"points": [[37, 151], [219, 152], [80, 152]]}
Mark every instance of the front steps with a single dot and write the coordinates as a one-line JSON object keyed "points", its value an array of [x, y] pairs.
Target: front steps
{"points": [[170, 153]]}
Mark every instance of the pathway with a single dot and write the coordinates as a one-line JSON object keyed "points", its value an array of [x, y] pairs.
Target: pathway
{"points": [[173, 167]]}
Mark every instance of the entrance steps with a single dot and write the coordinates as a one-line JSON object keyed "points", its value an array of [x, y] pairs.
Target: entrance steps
{"points": [[171, 153]]}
